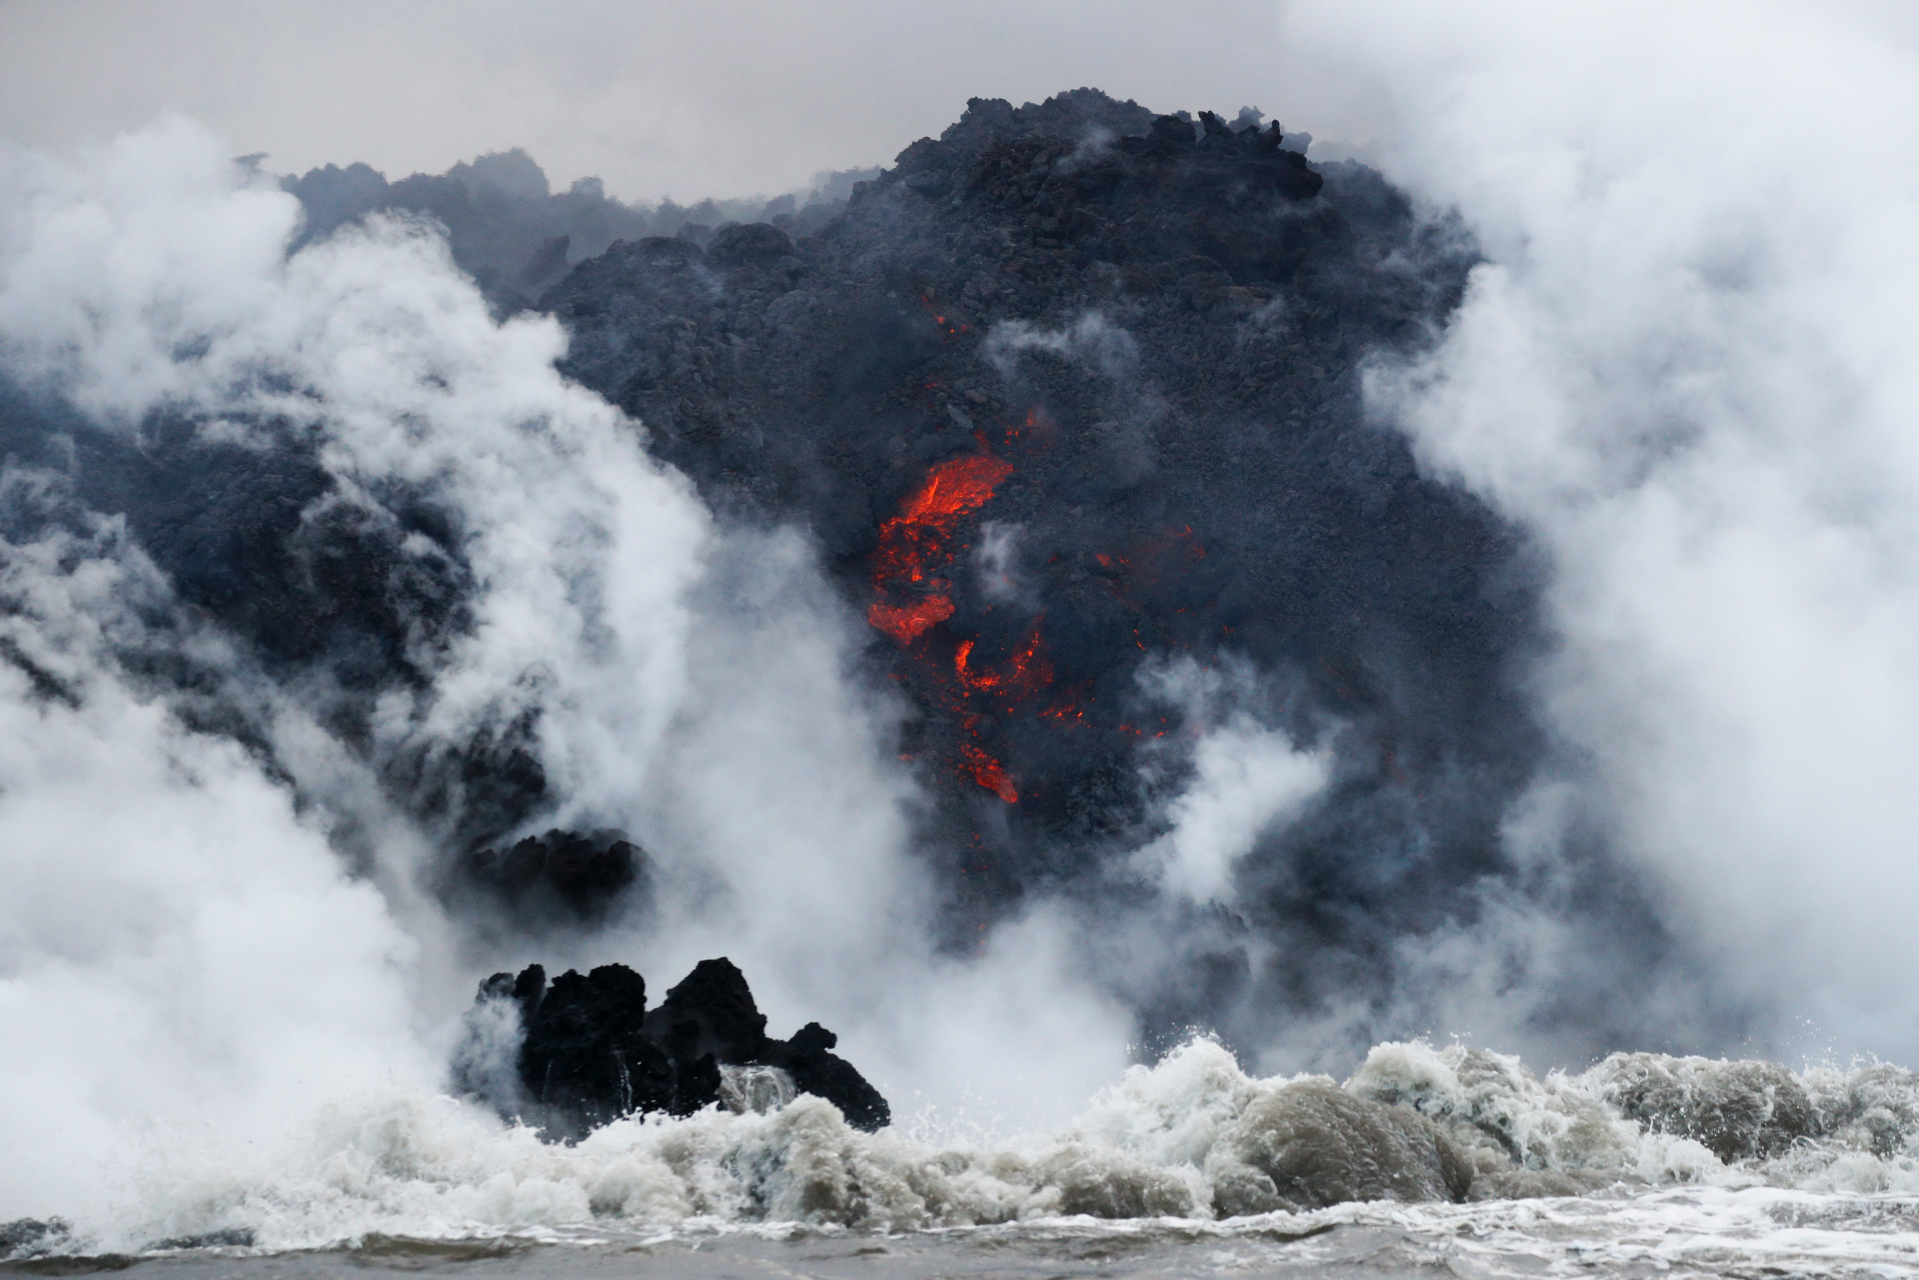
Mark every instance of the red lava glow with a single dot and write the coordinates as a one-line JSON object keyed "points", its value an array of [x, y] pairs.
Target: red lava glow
{"points": [[988, 772], [1026, 671], [952, 488], [910, 599], [913, 544], [907, 624], [1037, 425], [951, 330], [1067, 710]]}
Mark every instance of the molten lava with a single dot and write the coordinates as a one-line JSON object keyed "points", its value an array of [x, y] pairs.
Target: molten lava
{"points": [[910, 598], [1026, 671], [910, 592], [913, 545], [907, 623], [951, 489], [988, 772]]}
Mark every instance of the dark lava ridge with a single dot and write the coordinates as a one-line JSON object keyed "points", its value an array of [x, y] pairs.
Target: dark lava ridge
{"points": [[571, 1055]]}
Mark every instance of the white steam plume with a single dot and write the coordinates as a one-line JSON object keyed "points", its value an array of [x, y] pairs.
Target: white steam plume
{"points": [[1689, 368], [178, 946], [1247, 778], [180, 955]]}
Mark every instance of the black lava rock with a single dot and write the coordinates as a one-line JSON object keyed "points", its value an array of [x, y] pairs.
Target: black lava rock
{"points": [[562, 875], [590, 1051], [826, 1075], [586, 1057], [712, 1012], [30, 1237]]}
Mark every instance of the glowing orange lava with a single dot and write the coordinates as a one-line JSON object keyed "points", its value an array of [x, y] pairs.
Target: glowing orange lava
{"points": [[1026, 671], [906, 624], [910, 598], [913, 546], [951, 489], [988, 772]]}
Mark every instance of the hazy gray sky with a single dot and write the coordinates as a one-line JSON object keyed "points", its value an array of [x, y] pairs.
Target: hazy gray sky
{"points": [[714, 97]]}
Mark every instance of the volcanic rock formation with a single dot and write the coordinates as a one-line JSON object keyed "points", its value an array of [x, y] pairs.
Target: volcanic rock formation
{"points": [[515, 235], [1071, 393], [1069, 398], [560, 873], [30, 1237], [584, 1049]]}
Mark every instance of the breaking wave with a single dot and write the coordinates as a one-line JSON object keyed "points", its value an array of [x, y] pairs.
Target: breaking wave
{"points": [[1193, 1138]]}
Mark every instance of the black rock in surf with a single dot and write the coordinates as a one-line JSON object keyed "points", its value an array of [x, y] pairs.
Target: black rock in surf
{"points": [[585, 1050]]}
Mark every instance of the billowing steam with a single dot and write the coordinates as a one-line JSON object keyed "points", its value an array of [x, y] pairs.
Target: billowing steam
{"points": [[1688, 369], [222, 907], [182, 953], [1246, 779]]}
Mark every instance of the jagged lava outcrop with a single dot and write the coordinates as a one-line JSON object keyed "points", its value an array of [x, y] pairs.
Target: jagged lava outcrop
{"points": [[571, 1055]]}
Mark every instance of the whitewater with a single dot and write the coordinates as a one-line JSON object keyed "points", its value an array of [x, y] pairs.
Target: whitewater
{"points": [[1820, 1177]]}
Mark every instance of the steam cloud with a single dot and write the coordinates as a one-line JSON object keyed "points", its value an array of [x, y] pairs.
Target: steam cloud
{"points": [[1246, 778], [1685, 368], [183, 943]]}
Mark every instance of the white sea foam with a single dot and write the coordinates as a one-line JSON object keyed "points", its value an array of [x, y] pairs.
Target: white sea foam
{"points": [[1156, 1151]]}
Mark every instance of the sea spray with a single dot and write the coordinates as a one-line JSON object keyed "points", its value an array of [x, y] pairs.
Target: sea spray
{"points": [[1181, 1140]]}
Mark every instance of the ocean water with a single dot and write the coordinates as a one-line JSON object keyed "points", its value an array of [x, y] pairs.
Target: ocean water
{"points": [[1611, 1171], [1701, 1231]]}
